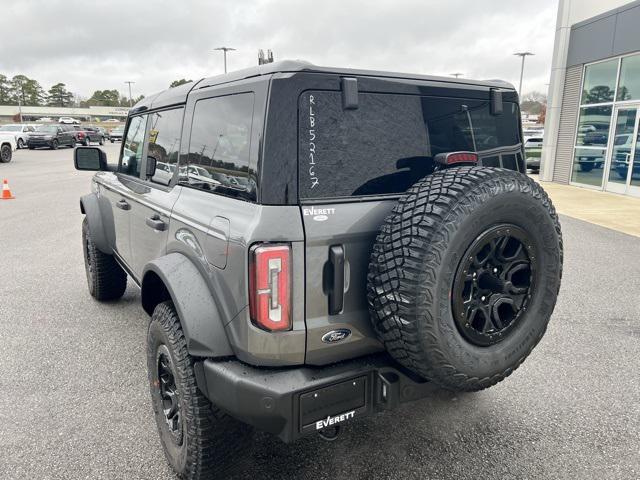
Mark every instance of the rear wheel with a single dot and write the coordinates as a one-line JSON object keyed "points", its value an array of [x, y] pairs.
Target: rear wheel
{"points": [[101, 141], [586, 167], [20, 144], [5, 153], [105, 278], [464, 275], [199, 440]]}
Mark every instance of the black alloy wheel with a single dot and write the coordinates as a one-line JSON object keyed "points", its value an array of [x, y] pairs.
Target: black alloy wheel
{"points": [[493, 284], [169, 395]]}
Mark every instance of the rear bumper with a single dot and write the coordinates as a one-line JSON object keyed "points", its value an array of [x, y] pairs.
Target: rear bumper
{"points": [[294, 402]]}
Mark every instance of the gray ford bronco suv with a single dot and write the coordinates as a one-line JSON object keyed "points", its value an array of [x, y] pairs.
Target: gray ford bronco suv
{"points": [[315, 245]]}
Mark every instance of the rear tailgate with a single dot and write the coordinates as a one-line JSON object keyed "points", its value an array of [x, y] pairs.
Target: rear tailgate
{"points": [[338, 243]]}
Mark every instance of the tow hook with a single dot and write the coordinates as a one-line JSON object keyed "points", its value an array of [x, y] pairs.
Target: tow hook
{"points": [[330, 433]]}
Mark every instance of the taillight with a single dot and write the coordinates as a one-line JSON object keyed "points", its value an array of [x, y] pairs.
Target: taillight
{"points": [[452, 158], [270, 286]]}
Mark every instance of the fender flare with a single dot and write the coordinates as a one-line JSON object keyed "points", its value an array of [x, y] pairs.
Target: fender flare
{"points": [[199, 315], [100, 219]]}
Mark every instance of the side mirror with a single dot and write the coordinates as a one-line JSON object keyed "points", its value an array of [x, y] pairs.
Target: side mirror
{"points": [[151, 166], [90, 158]]}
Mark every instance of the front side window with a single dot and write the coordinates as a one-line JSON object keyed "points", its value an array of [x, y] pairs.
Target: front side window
{"points": [[220, 145], [132, 148], [599, 82], [164, 143]]}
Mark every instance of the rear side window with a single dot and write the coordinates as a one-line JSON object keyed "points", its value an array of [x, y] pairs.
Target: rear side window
{"points": [[389, 142], [220, 146]]}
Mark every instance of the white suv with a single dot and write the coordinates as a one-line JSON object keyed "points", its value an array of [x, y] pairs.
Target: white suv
{"points": [[69, 120], [21, 132]]}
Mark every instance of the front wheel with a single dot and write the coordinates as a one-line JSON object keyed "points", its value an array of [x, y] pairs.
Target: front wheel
{"points": [[20, 144], [199, 441], [54, 145], [101, 141], [105, 278]]}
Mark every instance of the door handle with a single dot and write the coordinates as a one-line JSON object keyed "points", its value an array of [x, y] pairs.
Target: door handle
{"points": [[336, 295], [155, 223], [123, 205]]}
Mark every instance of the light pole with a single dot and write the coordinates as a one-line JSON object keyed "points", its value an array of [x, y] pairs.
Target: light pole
{"points": [[225, 50], [456, 74], [130, 98], [522, 54], [20, 100]]}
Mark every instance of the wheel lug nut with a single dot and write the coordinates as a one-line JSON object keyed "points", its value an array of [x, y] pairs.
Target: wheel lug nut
{"points": [[483, 298], [495, 270]]}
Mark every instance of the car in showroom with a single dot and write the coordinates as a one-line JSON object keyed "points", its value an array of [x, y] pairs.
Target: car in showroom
{"points": [[21, 132]]}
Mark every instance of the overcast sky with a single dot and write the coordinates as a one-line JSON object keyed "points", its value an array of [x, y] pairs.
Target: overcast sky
{"points": [[98, 45]]}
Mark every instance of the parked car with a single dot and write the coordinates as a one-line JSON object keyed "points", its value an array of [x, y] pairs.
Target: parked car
{"points": [[381, 255], [116, 134], [533, 152], [8, 145], [45, 120], [52, 136], [112, 120], [21, 132], [68, 120], [86, 135]]}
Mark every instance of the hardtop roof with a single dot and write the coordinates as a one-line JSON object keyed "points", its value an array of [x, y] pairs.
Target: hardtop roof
{"points": [[179, 94]]}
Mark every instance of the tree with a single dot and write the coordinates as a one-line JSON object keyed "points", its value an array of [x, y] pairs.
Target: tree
{"points": [[534, 96], [177, 83], [27, 90], [104, 98], [5, 90], [58, 96]]}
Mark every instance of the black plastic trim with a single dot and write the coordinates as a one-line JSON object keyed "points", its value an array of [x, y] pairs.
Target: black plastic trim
{"points": [[269, 399]]}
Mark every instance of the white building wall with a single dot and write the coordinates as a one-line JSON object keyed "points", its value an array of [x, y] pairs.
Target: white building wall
{"points": [[570, 12]]}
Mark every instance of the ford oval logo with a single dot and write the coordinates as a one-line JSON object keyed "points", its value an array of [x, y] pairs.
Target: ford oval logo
{"points": [[336, 335], [320, 218]]}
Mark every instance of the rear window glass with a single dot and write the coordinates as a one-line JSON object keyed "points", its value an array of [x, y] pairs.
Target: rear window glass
{"points": [[389, 142]]}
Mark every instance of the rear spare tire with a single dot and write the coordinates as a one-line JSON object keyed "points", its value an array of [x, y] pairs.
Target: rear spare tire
{"points": [[464, 275]]}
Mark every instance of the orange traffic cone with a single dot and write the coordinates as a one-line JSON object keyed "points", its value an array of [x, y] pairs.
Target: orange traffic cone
{"points": [[6, 192]]}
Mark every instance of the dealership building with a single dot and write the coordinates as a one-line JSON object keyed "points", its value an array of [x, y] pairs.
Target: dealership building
{"points": [[12, 113], [591, 127]]}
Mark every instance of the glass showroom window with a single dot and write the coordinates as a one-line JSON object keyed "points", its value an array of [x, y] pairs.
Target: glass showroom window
{"points": [[629, 88], [594, 122]]}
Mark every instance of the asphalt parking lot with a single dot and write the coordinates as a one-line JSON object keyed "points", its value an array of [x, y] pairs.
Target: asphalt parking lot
{"points": [[74, 400]]}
